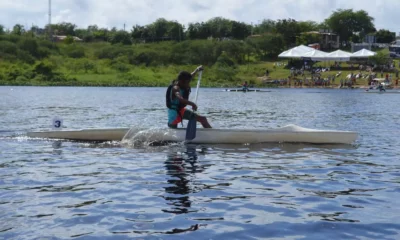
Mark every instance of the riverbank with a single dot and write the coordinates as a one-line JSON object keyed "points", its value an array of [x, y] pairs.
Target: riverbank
{"points": [[27, 61], [161, 76]]}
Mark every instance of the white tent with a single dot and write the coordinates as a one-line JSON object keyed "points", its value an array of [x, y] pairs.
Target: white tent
{"points": [[363, 53], [339, 56], [316, 55], [304, 48], [295, 52]]}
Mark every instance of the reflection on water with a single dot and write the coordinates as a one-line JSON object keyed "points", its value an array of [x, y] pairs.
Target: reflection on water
{"points": [[181, 167]]}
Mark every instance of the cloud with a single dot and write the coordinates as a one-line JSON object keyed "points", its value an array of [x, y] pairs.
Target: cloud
{"points": [[106, 13]]}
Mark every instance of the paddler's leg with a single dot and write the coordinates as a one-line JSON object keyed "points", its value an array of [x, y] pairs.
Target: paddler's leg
{"points": [[173, 118], [202, 120]]}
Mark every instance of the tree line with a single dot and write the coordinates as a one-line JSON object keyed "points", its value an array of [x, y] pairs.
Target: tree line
{"points": [[351, 26]]}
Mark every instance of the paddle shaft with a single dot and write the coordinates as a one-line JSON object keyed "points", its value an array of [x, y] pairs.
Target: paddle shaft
{"points": [[198, 86], [191, 127]]}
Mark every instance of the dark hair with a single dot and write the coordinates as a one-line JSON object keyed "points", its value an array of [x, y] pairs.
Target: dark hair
{"points": [[184, 76]]}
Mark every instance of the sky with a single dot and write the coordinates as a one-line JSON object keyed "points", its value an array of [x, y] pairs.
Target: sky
{"points": [[114, 13]]}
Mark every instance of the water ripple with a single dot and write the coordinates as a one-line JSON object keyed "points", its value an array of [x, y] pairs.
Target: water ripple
{"points": [[63, 190]]}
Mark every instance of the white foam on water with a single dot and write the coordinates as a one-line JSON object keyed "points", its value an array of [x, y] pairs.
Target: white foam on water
{"points": [[137, 136]]}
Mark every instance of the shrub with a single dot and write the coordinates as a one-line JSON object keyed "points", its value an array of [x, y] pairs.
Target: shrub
{"points": [[74, 51]]}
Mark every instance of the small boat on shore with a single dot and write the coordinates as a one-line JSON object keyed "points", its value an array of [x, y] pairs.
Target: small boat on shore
{"points": [[288, 134]]}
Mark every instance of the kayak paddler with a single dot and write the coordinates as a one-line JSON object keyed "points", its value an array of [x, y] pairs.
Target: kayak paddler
{"points": [[245, 86], [381, 88], [177, 98]]}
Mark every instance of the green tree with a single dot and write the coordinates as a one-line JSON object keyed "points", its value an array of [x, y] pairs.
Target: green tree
{"points": [[43, 68], [266, 26], [140, 32], [308, 26], [381, 57], [84, 34], [122, 37], [198, 31], [225, 67], [355, 38], [219, 27], [268, 45], [160, 28], [235, 49], [175, 31], [346, 23], [69, 40], [18, 29], [289, 29], [308, 38], [64, 28], [29, 45], [102, 34], [240, 30], [194, 52], [2, 32], [7, 47], [385, 36], [74, 51]]}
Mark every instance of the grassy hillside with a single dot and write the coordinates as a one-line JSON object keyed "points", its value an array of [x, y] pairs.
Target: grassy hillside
{"points": [[30, 61]]}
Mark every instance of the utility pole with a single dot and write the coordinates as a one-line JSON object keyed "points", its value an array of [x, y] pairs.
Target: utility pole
{"points": [[50, 32]]}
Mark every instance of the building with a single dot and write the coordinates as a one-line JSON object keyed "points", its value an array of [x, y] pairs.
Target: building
{"points": [[59, 38], [328, 40], [370, 38], [358, 46]]}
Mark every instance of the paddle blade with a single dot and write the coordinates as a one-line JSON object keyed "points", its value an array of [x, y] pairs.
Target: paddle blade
{"points": [[191, 130]]}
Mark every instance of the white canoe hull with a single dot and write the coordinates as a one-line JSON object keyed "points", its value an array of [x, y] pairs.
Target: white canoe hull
{"points": [[377, 91], [241, 90], [290, 134]]}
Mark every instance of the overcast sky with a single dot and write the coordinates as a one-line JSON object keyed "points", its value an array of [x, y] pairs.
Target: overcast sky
{"points": [[110, 13]]}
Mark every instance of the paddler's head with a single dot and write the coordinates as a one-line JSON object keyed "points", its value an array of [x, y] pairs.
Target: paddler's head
{"points": [[184, 79]]}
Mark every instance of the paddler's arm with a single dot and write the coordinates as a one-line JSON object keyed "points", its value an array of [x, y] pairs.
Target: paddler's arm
{"points": [[177, 94], [199, 68]]}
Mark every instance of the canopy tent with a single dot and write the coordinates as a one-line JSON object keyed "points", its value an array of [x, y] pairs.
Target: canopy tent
{"points": [[304, 48], [315, 55], [363, 53], [296, 52], [339, 56]]}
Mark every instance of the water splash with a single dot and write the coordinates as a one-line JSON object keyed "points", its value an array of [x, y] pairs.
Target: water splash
{"points": [[139, 137]]}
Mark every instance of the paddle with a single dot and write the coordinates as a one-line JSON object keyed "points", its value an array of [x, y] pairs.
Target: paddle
{"points": [[191, 127]]}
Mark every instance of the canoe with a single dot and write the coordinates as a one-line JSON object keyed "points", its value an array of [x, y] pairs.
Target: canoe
{"points": [[241, 90], [289, 134], [378, 91]]}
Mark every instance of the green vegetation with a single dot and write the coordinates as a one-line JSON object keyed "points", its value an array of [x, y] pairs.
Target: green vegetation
{"points": [[152, 55]]}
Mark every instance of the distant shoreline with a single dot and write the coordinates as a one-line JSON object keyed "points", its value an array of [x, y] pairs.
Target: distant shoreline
{"points": [[208, 87]]}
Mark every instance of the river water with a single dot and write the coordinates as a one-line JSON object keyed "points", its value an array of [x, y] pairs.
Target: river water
{"points": [[70, 190]]}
